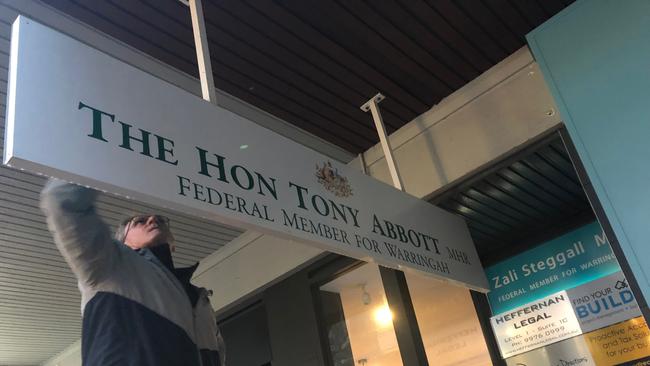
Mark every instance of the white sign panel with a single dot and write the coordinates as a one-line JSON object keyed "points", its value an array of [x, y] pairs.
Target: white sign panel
{"points": [[603, 302], [570, 352], [536, 324], [79, 114]]}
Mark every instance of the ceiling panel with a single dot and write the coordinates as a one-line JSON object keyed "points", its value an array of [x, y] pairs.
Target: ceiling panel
{"points": [[39, 299], [529, 200]]}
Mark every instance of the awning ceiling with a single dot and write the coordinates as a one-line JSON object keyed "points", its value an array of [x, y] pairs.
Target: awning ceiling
{"points": [[532, 197], [313, 62]]}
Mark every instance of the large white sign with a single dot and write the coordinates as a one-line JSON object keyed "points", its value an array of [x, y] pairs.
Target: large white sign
{"points": [[79, 114], [536, 324]]}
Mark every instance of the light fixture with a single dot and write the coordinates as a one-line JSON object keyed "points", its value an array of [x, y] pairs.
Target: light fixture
{"points": [[383, 316], [243, 147]]}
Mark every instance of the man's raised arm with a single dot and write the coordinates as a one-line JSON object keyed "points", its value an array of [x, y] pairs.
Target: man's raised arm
{"points": [[82, 237]]}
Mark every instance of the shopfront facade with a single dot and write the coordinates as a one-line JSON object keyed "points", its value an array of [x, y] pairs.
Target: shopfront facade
{"points": [[562, 260], [557, 297], [569, 259]]}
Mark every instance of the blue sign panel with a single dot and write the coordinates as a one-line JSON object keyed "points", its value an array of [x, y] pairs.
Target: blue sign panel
{"points": [[594, 57], [568, 261]]}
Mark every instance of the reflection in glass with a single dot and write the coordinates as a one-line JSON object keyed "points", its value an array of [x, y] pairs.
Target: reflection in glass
{"points": [[358, 321], [448, 323]]}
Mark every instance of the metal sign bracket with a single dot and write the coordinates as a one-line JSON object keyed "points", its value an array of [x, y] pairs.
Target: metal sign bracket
{"points": [[372, 105]]}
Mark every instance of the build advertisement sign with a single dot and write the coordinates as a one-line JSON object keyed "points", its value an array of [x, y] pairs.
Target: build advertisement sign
{"points": [[591, 319], [94, 120], [603, 302]]}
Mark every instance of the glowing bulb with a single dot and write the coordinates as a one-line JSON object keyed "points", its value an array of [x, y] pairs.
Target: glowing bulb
{"points": [[383, 316]]}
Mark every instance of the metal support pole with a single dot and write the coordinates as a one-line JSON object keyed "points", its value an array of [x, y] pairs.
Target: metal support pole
{"points": [[202, 51], [372, 106], [399, 300], [362, 161]]}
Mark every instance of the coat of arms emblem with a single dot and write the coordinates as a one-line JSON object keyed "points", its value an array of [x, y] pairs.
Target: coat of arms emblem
{"points": [[334, 182]]}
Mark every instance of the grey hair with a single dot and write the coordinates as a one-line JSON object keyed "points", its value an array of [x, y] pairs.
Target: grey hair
{"points": [[123, 228]]}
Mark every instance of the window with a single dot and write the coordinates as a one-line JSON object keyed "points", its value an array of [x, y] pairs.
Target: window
{"points": [[448, 323], [358, 323]]}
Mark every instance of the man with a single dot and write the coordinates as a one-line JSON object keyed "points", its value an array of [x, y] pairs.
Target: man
{"points": [[138, 309]]}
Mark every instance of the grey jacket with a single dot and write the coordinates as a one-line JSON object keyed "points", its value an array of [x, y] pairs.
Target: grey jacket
{"points": [[136, 310]]}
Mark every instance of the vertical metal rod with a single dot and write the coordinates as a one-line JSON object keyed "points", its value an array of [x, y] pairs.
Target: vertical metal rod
{"points": [[372, 106], [202, 51], [362, 161], [483, 313], [405, 321]]}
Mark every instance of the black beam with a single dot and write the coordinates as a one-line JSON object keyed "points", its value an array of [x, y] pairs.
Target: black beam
{"points": [[404, 321], [484, 313]]}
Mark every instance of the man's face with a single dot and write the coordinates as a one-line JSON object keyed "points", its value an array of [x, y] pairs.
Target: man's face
{"points": [[147, 231]]}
